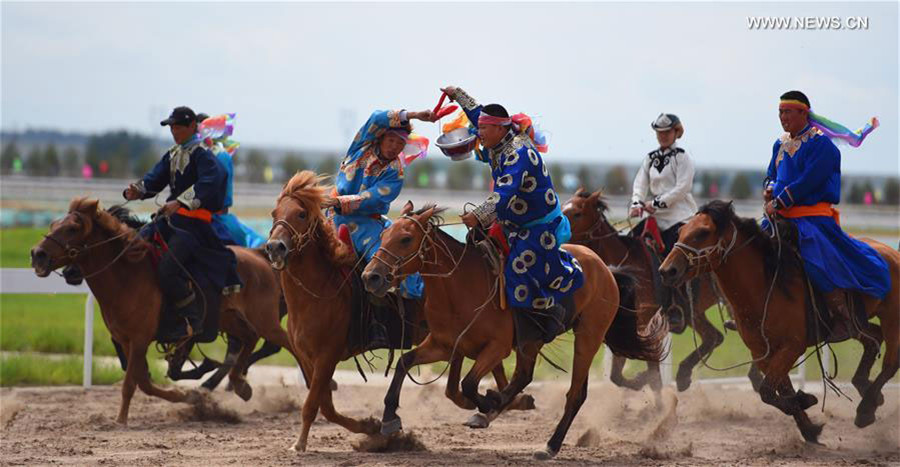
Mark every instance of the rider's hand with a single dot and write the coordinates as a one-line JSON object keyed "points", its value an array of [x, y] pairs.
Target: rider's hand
{"points": [[767, 194], [132, 192], [635, 211], [424, 115], [469, 219], [771, 208], [169, 208], [349, 203], [449, 91], [649, 209]]}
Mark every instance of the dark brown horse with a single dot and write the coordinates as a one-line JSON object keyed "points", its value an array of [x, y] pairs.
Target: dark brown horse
{"points": [[590, 227], [118, 270], [465, 318], [313, 261], [769, 297]]}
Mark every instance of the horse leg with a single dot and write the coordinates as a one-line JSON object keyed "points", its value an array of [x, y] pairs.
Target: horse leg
{"points": [[128, 386], [619, 379], [276, 337], [487, 359], [586, 346], [790, 403], [865, 412], [755, 376], [323, 370], [234, 346], [526, 357], [452, 390], [138, 372], [427, 352], [236, 376], [267, 350], [710, 338], [871, 342]]}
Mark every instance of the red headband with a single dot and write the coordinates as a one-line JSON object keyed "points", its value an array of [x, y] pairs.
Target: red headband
{"points": [[485, 119]]}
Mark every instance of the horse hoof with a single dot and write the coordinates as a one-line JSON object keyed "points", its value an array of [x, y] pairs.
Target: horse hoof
{"points": [[806, 400], [811, 433], [864, 418], [243, 390], [392, 426], [544, 454], [333, 385], [527, 402], [880, 399], [479, 420], [298, 448], [682, 384]]}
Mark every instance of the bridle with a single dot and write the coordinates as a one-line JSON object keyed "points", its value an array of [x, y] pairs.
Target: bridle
{"points": [[701, 260], [298, 240], [401, 261], [74, 252]]}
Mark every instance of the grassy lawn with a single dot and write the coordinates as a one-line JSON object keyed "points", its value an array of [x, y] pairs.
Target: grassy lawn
{"points": [[16, 245], [40, 370]]}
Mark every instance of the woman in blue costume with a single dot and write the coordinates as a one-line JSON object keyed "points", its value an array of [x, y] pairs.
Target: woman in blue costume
{"points": [[370, 178], [217, 134], [804, 181], [539, 274]]}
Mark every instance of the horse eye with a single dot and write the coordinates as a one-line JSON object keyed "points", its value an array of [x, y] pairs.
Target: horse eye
{"points": [[302, 215], [405, 240], [577, 216], [702, 235]]}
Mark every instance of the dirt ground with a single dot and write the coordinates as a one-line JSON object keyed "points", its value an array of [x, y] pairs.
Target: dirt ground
{"points": [[707, 425]]}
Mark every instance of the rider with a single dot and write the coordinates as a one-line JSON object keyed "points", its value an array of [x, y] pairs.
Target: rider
{"points": [[803, 182], [539, 274], [667, 173], [231, 230], [370, 178], [196, 190]]}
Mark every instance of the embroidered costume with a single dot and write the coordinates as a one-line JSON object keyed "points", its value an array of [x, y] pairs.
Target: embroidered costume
{"points": [[538, 273]]}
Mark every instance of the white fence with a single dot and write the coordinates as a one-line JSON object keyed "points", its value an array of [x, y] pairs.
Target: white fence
{"points": [[23, 281]]}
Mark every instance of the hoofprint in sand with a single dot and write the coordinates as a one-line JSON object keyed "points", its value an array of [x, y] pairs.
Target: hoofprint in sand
{"points": [[707, 425]]}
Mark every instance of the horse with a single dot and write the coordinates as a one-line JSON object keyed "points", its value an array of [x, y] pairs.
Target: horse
{"points": [[464, 317], [590, 227], [305, 247], [763, 279], [118, 270]]}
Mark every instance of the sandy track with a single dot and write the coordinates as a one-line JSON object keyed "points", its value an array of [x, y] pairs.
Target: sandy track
{"points": [[708, 425]]}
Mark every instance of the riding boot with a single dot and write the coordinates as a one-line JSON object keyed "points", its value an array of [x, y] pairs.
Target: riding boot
{"points": [[841, 323], [377, 337], [187, 310], [554, 322], [73, 275], [730, 325]]}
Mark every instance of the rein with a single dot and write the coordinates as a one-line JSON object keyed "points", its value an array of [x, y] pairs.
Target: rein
{"points": [[73, 252]]}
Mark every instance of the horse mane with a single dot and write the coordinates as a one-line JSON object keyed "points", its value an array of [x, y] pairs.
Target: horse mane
{"points": [[722, 213], [436, 219], [114, 221], [602, 204], [307, 188]]}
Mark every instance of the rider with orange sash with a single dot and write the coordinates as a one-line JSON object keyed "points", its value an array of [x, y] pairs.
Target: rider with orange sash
{"points": [[803, 184]]}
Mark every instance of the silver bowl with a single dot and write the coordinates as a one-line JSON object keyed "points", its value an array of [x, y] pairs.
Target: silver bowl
{"points": [[457, 144]]}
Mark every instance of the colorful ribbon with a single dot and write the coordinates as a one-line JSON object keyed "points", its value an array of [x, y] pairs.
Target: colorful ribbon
{"points": [[218, 129], [416, 147], [836, 130]]}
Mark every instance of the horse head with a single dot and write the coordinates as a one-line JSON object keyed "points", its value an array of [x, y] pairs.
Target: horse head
{"points": [[703, 243], [403, 248], [587, 216], [297, 216], [68, 237]]}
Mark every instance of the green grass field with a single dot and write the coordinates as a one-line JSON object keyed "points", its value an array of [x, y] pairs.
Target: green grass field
{"points": [[55, 324]]}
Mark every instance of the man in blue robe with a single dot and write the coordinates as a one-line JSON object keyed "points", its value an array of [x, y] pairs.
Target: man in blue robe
{"points": [[196, 190], [803, 182], [539, 275]]}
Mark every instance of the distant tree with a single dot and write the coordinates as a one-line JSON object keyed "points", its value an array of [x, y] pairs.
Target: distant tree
{"points": [[9, 154], [291, 164], [557, 175], [421, 173], [119, 149], [34, 162], [145, 163], [461, 176], [328, 165], [892, 191], [71, 162], [256, 164], [51, 165], [617, 182], [585, 177], [740, 186], [710, 185]]}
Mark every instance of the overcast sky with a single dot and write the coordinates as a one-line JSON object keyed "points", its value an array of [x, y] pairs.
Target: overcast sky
{"points": [[593, 74]]}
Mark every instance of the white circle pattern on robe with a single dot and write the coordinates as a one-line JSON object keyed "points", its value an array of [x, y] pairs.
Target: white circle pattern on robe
{"points": [[494, 198], [556, 282], [505, 180], [517, 205], [533, 157], [384, 190], [511, 159], [521, 293], [550, 197], [548, 240], [528, 183]]}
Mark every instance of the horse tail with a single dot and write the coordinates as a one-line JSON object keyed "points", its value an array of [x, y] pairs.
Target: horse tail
{"points": [[624, 337]]}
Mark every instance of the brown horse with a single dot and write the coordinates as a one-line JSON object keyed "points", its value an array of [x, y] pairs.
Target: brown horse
{"points": [[304, 245], [118, 270], [590, 227], [464, 317], [769, 297]]}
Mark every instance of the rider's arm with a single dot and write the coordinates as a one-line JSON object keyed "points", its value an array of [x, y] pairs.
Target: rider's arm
{"points": [[641, 184], [156, 179], [379, 121], [772, 171], [820, 163], [377, 199], [501, 203], [206, 191], [684, 182]]}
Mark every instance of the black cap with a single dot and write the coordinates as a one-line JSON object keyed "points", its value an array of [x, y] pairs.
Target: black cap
{"points": [[201, 116], [180, 116]]}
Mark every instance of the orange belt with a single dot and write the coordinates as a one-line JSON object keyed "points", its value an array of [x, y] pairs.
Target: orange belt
{"points": [[818, 209], [201, 214]]}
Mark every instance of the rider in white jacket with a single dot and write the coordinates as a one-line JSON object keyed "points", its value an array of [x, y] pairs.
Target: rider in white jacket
{"points": [[667, 173]]}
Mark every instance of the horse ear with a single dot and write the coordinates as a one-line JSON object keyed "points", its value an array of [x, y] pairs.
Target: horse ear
{"points": [[579, 191], [90, 206], [407, 208]]}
